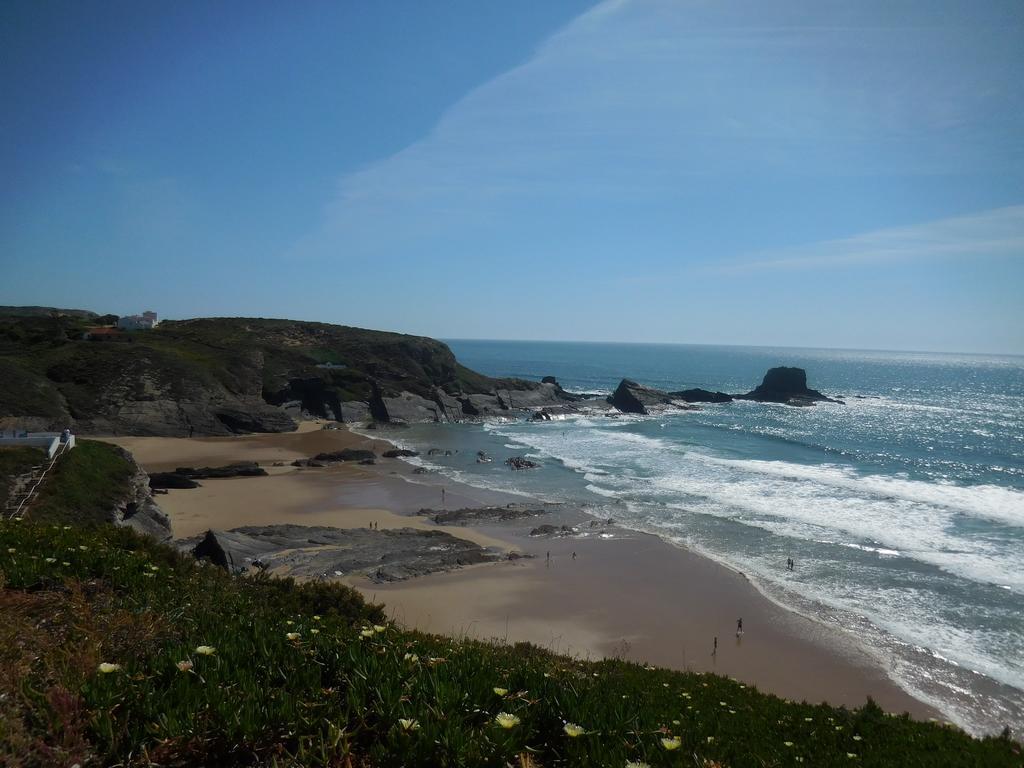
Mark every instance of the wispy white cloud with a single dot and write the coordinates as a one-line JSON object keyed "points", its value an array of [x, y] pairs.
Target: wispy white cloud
{"points": [[994, 233], [642, 97]]}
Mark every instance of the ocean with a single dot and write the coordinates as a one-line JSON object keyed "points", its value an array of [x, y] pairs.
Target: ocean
{"points": [[903, 509]]}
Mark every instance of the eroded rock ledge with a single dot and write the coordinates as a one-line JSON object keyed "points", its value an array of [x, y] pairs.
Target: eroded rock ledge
{"points": [[324, 552]]}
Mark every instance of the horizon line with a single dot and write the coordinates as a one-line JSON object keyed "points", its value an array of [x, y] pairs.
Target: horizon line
{"points": [[750, 346]]}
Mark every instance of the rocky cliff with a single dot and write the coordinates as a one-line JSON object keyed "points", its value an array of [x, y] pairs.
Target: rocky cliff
{"points": [[219, 376], [136, 508]]}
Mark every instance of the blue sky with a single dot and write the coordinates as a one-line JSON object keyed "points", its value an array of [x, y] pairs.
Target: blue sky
{"points": [[790, 173]]}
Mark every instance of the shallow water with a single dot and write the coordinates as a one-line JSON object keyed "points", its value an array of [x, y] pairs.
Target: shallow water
{"points": [[904, 509]]}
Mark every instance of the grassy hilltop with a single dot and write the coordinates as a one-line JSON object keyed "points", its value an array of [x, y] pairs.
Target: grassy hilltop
{"points": [[216, 375]]}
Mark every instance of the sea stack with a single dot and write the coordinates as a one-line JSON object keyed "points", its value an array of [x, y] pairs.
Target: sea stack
{"points": [[786, 385]]}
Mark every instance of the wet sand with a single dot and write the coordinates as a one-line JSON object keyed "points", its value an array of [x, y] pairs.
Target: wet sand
{"points": [[633, 596]]}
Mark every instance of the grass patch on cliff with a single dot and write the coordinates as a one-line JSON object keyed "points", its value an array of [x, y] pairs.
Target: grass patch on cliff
{"points": [[84, 485], [15, 461], [206, 668]]}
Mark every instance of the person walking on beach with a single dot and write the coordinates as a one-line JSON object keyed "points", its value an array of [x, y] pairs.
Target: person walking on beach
{"points": [[573, 555], [549, 559], [739, 627], [714, 648], [442, 496]]}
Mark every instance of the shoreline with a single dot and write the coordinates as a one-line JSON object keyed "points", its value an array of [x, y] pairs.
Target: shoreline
{"points": [[634, 595]]}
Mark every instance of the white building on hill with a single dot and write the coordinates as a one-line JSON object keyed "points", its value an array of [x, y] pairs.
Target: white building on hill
{"points": [[137, 322]]}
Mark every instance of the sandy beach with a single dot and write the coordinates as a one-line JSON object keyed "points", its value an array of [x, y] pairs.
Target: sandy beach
{"points": [[631, 595]]}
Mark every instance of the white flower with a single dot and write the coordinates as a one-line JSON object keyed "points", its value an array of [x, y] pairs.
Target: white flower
{"points": [[670, 743], [292, 635], [505, 720], [572, 730], [407, 724], [106, 667], [636, 764], [184, 666]]}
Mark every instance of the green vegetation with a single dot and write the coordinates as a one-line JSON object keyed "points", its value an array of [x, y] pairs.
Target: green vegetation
{"points": [[103, 660], [85, 485], [52, 371], [15, 461]]}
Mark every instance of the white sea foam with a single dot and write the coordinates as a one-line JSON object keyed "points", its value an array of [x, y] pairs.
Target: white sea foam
{"points": [[992, 502]]}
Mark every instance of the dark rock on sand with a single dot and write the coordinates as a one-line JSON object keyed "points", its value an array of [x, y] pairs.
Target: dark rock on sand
{"points": [[479, 514], [323, 552], [552, 530], [244, 469], [786, 385], [395, 453], [346, 454], [171, 480], [520, 462]]}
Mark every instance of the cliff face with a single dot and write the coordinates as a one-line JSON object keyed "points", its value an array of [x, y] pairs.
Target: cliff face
{"points": [[136, 508], [219, 376]]}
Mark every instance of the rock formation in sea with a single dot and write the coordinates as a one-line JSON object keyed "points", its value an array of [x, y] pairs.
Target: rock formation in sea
{"points": [[630, 397], [786, 385]]}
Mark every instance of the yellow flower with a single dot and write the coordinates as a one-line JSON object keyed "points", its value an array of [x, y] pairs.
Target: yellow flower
{"points": [[205, 650], [572, 730], [408, 724], [184, 666], [378, 628], [411, 657], [505, 720], [850, 754], [292, 635], [857, 738], [11, 550], [106, 667], [636, 764], [501, 691], [367, 633], [788, 743], [314, 631], [316, 618], [670, 743], [65, 564], [51, 559]]}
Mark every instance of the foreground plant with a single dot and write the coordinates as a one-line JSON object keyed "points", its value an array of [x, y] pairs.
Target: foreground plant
{"points": [[196, 667]]}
